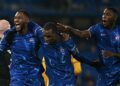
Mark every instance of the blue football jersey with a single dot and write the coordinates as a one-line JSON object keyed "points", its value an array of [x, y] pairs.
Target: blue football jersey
{"points": [[109, 40], [59, 68], [25, 68]]}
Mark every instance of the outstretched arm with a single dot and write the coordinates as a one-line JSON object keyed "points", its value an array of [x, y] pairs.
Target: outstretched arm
{"points": [[75, 52], [68, 29]]}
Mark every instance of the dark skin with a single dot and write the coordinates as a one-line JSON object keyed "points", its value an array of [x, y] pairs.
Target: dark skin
{"points": [[108, 20], [51, 37], [21, 21]]}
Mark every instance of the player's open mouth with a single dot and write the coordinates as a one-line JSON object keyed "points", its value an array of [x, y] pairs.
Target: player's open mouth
{"points": [[17, 25], [104, 21]]}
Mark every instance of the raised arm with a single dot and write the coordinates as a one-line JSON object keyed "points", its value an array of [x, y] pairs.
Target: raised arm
{"points": [[68, 29]]}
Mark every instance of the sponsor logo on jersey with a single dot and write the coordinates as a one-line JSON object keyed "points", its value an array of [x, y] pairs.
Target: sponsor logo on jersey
{"points": [[32, 40]]}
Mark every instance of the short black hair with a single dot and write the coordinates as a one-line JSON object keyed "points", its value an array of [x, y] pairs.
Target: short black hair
{"points": [[24, 12], [114, 10], [51, 26]]}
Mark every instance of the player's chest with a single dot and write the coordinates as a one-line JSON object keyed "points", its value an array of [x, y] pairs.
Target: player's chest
{"points": [[112, 37], [24, 43], [56, 52]]}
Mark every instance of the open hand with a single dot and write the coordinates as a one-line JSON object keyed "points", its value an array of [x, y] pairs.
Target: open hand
{"points": [[63, 28], [65, 36]]}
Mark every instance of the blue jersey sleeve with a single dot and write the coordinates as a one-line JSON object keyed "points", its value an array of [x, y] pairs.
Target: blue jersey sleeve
{"points": [[3, 43], [71, 46], [93, 30]]}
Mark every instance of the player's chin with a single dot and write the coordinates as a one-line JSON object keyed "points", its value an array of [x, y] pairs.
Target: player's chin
{"points": [[105, 24], [18, 29]]}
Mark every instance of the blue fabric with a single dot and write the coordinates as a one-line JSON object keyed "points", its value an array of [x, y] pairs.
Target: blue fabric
{"points": [[59, 68], [25, 65], [26, 81], [58, 62], [107, 40]]}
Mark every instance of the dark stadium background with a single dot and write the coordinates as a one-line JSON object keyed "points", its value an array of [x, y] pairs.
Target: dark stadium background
{"points": [[77, 13]]}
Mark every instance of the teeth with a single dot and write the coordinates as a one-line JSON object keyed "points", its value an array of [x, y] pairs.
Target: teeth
{"points": [[17, 26]]}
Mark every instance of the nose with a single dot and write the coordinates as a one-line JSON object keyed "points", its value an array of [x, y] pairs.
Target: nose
{"points": [[104, 16], [16, 20]]}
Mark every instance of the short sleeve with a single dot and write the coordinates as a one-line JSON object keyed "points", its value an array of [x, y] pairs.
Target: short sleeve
{"points": [[93, 30]]}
